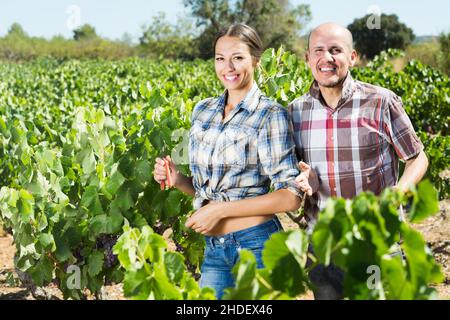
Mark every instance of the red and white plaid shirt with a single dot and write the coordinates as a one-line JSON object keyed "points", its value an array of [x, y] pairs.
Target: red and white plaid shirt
{"points": [[356, 146]]}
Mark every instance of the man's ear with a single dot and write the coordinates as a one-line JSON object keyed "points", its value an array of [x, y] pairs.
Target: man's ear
{"points": [[353, 58], [306, 56]]}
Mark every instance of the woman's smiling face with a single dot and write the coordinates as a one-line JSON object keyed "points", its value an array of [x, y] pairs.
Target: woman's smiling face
{"points": [[234, 63]]}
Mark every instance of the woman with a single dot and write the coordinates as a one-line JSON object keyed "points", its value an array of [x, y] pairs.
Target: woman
{"points": [[240, 146]]}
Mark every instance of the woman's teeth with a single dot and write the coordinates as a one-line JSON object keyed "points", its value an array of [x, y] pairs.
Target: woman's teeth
{"points": [[231, 78]]}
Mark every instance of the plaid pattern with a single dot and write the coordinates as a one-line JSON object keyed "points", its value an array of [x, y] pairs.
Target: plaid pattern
{"points": [[355, 147], [244, 155]]}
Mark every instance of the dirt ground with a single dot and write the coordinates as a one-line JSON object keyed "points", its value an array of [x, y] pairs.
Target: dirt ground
{"points": [[436, 231]]}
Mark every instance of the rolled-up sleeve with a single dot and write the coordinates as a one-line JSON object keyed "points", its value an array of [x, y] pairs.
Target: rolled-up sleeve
{"points": [[401, 132], [276, 150]]}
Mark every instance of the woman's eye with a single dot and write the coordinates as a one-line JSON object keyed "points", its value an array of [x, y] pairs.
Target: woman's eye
{"points": [[238, 58], [219, 59]]}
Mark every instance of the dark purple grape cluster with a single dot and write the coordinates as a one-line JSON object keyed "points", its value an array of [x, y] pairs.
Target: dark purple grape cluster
{"points": [[179, 247], [106, 243], [77, 254], [192, 269], [56, 281], [110, 259], [159, 228]]}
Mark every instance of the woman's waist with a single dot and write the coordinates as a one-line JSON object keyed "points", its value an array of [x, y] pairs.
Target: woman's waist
{"points": [[244, 226], [225, 195], [234, 224]]}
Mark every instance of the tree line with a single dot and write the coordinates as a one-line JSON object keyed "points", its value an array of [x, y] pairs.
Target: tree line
{"points": [[278, 22]]}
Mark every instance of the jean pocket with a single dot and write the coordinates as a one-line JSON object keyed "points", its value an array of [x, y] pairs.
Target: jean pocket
{"points": [[256, 247], [209, 250], [254, 242]]}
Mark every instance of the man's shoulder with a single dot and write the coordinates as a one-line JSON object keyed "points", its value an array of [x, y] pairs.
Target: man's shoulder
{"points": [[301, 102], [373, 91]]}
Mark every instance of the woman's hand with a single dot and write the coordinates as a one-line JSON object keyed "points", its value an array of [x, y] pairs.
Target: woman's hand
{"points": [[160, 172], [307, 181], [205, 219]]}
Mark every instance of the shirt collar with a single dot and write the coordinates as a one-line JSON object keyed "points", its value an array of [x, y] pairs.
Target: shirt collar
{"points": [[250, 101], [347, 89]]}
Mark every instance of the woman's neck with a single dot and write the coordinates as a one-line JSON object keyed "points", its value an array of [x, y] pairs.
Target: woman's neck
{"points": [[236, 96]]}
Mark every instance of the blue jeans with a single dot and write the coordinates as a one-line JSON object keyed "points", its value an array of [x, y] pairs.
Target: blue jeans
{"points": [[222, 253]]}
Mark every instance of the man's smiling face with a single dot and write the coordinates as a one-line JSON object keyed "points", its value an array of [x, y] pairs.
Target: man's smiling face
{"points": [[330, 54]]}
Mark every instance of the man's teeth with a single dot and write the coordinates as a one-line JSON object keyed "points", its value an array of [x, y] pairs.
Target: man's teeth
{"points": [[327, 69]]}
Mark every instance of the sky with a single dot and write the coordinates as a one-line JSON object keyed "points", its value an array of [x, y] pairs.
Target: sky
{"points": [[112, 18]]}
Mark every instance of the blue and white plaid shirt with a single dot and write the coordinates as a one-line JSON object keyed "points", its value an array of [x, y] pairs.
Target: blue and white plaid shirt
{"points": [[244, 155]]}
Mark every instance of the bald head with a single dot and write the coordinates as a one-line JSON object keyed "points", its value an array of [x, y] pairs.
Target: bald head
{"points": [[330, 54], [334, 30]]}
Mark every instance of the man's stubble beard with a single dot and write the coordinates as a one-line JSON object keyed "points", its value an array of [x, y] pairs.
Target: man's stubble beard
{"points": [[333, 84]]}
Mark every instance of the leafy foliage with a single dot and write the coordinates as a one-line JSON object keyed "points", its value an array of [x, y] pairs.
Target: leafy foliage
{"points": [[78, 141], [276, 21], [152, 272], [358, 236], [17, 45], [444, 41], [160, 38], [389, 34], [84, 32]]}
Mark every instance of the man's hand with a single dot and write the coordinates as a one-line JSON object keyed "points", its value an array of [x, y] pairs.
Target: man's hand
{"points": [[307, 180]]}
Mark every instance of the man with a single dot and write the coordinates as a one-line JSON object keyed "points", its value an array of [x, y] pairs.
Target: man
{"points": [[350, 134]]}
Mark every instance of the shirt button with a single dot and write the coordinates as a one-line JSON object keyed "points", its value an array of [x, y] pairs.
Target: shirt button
{"points": [[221, 240]]}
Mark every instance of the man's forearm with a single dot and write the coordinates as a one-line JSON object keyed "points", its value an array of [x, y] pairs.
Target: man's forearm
{"points": [[279, 201], [415, 169]]}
